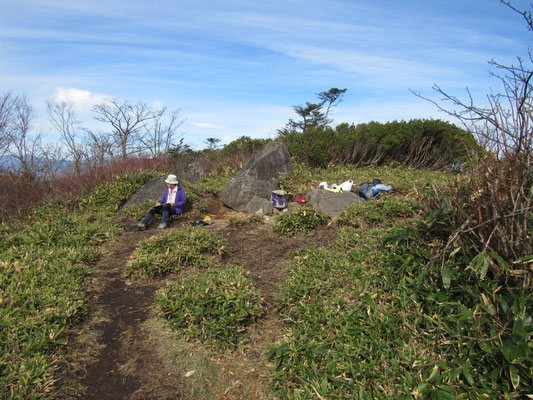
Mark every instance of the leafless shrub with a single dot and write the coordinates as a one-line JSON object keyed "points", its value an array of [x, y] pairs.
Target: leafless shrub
{"points": [[494, 210]]}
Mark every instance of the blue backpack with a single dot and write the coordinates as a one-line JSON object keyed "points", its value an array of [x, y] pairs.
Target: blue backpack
{"points": [[369, 190], [365, 191]]}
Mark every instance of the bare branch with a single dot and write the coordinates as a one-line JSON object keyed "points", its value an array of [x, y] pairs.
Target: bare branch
{"points": [[127, 121]]}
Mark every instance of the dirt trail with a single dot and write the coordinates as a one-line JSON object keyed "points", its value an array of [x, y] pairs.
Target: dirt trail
{"points": [[122, 351]]}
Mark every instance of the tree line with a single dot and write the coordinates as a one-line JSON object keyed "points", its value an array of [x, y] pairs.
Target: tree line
{"points": [[135, 129], [417, 143]]}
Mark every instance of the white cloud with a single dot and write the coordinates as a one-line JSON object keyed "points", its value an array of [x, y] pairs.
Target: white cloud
{"points": [[206, 125], [82, 100]]}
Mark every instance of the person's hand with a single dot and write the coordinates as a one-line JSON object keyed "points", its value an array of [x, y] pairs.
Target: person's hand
{"points": [[158, 204], [172, 204]]}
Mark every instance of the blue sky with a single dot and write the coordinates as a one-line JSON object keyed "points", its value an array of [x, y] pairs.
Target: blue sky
{"points": [[238, 67]]}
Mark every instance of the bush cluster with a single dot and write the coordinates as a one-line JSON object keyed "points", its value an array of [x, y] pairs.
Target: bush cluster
{"points": [[248, 221], [215, 306], [109, 196], [213, 182], [174, 250], [373, 317], [299, 221], [483, 323], [378, 211], [243, 145], [488, 214], [430, 144]]}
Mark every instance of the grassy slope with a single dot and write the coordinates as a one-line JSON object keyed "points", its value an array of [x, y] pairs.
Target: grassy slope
{"points": [[374, 317], [368, 317], [44, 259]]}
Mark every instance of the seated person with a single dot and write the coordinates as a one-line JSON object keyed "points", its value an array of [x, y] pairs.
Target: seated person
{"points": [[172, 203]]}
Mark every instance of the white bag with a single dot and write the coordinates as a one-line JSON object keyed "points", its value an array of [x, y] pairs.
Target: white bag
{"points": [[346, 186]]}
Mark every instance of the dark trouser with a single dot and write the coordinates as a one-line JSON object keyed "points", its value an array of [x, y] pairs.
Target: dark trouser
{"points": [[165, 210]]}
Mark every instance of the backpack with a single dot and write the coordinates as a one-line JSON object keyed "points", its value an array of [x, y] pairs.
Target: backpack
{"points": [[365, 191], [277, 199]]}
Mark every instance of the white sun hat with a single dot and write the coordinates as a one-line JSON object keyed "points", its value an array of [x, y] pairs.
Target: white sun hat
{"points": [[172, 180]]}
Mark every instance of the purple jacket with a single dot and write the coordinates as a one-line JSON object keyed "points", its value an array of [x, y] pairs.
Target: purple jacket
{"points": [[180, 199]]}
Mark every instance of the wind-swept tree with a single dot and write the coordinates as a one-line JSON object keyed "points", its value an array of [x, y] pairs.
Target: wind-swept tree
{"points": [[331, 98], [212, 142], [312, 115]]}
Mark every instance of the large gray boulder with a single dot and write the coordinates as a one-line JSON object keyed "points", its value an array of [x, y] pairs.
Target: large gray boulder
{"points": [[258, 178], [192, 173], [331, 203], [151, 191], [259, 206]]}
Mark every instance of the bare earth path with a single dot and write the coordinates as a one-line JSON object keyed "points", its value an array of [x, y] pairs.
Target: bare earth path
{"points": [[122, 350]]}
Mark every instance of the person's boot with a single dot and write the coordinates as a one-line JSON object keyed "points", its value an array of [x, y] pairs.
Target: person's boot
{"points": [[140, 226], [162, 225]]}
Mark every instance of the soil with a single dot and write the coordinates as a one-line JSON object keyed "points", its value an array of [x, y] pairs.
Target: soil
{"points": [[122, 350]]}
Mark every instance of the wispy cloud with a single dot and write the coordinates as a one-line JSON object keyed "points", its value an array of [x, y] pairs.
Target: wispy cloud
{"points": [[237, 68], [206, 125]]}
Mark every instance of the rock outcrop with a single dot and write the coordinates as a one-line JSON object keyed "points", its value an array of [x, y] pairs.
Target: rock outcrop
{"points": [[331, 203], [151, 191], [192, 173], [258, 178], [259, 206]]}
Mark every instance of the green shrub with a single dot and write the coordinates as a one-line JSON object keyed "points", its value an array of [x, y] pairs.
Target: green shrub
{"points": [[43, 263], [215, 306], [379, 211], [343, 338], [316, 146], [196, 207], [373, 316], [109, 196], [138, 212], [173, 250], [302, 220], [431, 144], [213, 182], [251, 220], [484, 326], [244, 144]]}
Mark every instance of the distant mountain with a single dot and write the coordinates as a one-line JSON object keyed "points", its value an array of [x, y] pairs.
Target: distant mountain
{"points": [[11, 163]]}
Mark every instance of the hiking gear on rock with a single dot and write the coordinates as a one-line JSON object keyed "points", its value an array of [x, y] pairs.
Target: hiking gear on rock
{"points": [[346, 186], [372, 190], [277, 199], [343, 187]]}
